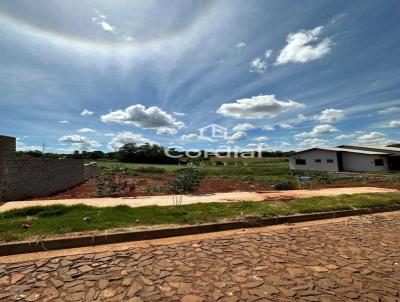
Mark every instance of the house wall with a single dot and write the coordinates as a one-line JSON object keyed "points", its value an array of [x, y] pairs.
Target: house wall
{"points": [[310, 157], [354, 162], [22, 178]]}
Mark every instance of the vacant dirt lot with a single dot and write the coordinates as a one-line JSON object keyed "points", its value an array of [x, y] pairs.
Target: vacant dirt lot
{"points": [[353, 259], [140, 185], [149, 185]]}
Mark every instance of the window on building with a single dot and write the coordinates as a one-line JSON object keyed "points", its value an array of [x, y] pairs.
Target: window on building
{"points": [[317, 160], [329, 161], [300, 161], [379, 162]]}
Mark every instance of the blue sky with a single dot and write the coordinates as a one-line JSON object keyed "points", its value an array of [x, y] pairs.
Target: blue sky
{"points": [[285, 74]]}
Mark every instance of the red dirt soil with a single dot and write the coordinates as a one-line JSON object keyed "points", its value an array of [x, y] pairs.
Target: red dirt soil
{"points": [[138, 186]]}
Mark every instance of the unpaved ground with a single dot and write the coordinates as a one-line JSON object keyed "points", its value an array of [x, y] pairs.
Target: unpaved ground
{"points": [[139, 186], [352, 259], [145, 183], [166, 200]]}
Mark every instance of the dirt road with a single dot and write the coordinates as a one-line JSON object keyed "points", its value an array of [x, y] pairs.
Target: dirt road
{"points": [[166, 200]]}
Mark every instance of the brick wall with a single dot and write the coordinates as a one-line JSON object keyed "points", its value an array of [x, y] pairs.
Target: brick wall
{"points": [[90, 170], [22, 178]]}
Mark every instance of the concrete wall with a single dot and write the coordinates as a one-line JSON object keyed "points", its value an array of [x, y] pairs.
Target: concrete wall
{"points": [[363, 162], [311, 156], [22, 178], [90, 170]]}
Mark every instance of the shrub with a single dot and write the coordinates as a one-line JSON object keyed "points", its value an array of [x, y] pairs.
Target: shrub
{"points": [[111, 182], [188, 180], [285, 185], [154, 189]]}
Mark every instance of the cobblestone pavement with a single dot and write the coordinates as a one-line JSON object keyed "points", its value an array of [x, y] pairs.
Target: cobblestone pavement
{"points": [[358, 259]]}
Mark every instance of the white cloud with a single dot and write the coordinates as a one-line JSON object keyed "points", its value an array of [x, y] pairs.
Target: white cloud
{"points": [[324, 129], [268, 53], [389, 110], [127, 137], [21, 146], [293, 122], [286, 126], [331, 115], [256, 147], [261, 138], [301, 118], [299, 48], [241, 44], [86, 112], [346, 136], [100, 20], [268, 128], [109, 134], [394, 124], [366, 138], [86, 130], [138, 115], [179, 113], [285, 146], [167, 131], [312, 142], [80, 142], [258, 65], [374, 139], [317, 130], [237, 136], [257, 107], [63, 122], [243, 127], [191, 137]]}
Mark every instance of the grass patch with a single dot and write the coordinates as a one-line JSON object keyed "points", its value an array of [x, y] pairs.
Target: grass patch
{"points": [[132, 166], [59, 219]]}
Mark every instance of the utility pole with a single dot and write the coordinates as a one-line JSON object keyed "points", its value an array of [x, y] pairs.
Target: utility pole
{"points": [[43, 146]]}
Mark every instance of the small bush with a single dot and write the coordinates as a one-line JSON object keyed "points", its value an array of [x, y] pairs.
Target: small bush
{"points": [[285, 185], [111, 182], [188, 180], [154, 189]]}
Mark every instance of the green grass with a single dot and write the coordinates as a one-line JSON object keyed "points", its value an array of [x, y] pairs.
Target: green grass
{"points": [[270, 173], [269, 170], [251, 161], [134, 166], [58, 219]]}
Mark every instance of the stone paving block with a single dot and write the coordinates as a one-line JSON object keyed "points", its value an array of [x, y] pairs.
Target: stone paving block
{"points": [[342, 261]]}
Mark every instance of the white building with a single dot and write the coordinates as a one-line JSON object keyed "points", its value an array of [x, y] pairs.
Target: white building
{"points": [[346, 158]]}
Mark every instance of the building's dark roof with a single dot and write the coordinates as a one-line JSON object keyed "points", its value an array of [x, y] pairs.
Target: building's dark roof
{"points": [[368, 148], [333, 149]]}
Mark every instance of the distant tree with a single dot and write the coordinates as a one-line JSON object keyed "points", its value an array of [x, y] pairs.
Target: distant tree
{"points": [[34, 153], [146, 153], [395, 145]]}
